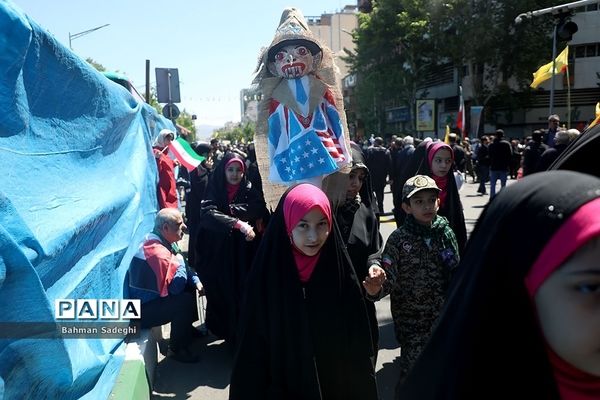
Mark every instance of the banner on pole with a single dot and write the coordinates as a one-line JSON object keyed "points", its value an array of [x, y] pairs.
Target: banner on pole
{"points": [[475, 120]]}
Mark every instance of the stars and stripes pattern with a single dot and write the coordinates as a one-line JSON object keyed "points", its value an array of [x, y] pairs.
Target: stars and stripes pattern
{"points": [[302, 148]]}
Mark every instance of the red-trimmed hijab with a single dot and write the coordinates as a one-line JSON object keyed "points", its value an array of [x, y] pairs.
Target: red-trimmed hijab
{"points": [[299, 201]]}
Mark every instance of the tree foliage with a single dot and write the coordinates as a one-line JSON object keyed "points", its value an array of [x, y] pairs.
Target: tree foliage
{"points": [[95, 64], [237, 132], [185, 120], [403, 44]]}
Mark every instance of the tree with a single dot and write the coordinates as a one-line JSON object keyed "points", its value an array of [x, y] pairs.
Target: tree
{"points": [[393, 54], [95, 64], [498, 55], [402, 46], [185, 120], [237, 132]]}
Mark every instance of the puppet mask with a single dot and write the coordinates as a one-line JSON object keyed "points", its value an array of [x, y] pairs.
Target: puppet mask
{"points": [[293, 61]]}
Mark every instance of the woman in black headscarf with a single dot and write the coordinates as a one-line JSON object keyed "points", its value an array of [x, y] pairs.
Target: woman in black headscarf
{"points": [[194, 195], [358, 221], [305, 331], [421, 163], [227, 242], [493, 339]]}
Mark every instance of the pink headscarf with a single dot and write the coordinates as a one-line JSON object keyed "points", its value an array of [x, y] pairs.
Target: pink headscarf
{"points": [[579, 228], [298, 202], [232, 189], [441, 181]]}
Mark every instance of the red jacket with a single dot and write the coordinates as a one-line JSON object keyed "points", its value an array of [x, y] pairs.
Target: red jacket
{"points": [[167, 187]]}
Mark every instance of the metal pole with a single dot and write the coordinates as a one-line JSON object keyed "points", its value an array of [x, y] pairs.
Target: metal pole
{"points": [[80, 34], [568, 99], [553, 69], [148, 81]]}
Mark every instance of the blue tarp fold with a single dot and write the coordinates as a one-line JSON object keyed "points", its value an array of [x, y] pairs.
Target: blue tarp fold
{"points": [[77, 194]]}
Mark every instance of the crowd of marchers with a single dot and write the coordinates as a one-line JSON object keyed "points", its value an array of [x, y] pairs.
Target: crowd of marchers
{"points": [[511, 309]]}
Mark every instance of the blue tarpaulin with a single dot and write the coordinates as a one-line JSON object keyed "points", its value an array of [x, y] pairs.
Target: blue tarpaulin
{"points": [[77, 194]]}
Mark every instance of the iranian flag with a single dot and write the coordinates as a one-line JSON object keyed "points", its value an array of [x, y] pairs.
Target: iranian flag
{"points": [[184, 153]]}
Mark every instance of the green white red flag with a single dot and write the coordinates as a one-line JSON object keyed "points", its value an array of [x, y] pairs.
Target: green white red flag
{"points": [[185, 154]]}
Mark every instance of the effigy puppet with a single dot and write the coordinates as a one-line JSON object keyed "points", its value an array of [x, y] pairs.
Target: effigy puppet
{"points": [[301, 133]]}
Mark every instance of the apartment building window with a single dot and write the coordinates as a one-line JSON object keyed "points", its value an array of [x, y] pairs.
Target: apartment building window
{"points": [[587, 50], [589, 7]]}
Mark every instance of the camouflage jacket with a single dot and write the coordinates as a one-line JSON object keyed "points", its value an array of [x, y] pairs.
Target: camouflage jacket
{"points": [[418, 262]]}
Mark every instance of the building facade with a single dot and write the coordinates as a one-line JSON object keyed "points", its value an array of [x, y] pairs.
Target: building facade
{"points": [[584, 93]]}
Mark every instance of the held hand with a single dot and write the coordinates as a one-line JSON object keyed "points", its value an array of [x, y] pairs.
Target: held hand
{"points": [[200, 289], [246, 229], [250, 235], [374, 280]]}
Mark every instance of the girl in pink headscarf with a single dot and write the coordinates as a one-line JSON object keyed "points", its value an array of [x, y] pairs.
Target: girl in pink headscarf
{"points": [[435, 159], [227, 242], [305, 331]]}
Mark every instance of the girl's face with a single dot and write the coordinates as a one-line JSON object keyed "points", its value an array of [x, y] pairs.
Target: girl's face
{"points": [[356, 177], [568, 306], [310, 234], [441, 163], [234, 173]]}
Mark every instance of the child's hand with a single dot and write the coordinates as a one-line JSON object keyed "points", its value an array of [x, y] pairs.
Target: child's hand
{"points": [[250, 235], [374, 280]]}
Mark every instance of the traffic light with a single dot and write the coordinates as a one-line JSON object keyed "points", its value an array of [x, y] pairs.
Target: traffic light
{"points": [[565, 29]]}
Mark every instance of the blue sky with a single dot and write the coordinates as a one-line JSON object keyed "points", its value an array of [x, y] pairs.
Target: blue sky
{"points": [[214, 44]]}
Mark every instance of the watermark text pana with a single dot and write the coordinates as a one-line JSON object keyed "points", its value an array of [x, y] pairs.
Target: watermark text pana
{"points": [[97, 309]]}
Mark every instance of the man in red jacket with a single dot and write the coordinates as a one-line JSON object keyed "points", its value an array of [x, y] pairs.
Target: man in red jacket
{"points": [[166, 287]]}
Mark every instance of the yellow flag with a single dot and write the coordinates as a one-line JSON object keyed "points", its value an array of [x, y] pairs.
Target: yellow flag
{"points": [[447, 137], [545, 71], [597, 120]]}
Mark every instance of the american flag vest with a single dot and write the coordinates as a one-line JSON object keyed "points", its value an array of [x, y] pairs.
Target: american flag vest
{"points": [[301, 147]]}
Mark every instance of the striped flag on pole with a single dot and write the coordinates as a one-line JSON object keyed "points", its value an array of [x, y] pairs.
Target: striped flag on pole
{"points": [[184, 153], [460, 120]]}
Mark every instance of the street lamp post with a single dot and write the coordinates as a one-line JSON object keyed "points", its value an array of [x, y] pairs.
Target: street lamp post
{"points": [[80, 34]]}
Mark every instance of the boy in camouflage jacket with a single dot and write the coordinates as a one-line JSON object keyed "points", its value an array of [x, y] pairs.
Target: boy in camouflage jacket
{"points": [[418, 260]]}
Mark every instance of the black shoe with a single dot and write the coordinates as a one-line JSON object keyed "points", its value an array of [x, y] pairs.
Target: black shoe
{"points": [[184, 355]]}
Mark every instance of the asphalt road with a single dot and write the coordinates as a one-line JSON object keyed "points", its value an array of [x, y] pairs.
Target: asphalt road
{"points": [[209, 379]]}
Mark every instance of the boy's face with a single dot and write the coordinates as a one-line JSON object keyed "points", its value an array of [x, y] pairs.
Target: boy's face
{"points": [[423, 206]]}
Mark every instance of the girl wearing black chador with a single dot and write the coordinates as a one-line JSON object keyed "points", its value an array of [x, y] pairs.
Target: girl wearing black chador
{"points": [[304, 326], [358, 221], [227, 242]]}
